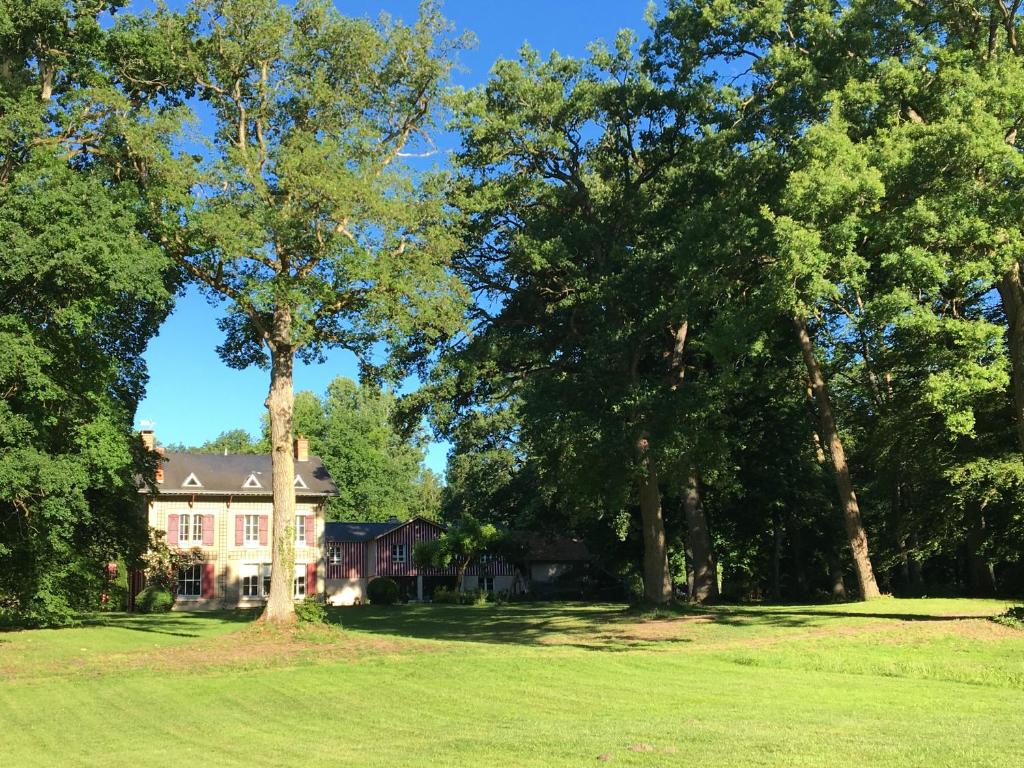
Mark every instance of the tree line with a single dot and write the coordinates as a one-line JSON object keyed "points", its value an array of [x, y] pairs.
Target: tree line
{"points": [[739, 300]]}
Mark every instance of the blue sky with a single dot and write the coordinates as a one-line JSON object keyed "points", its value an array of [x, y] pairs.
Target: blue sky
{"points": [[192, 396]]}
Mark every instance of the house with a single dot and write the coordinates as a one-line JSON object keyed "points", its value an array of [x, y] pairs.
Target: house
{"points": [[222, 505], [357, 552]]}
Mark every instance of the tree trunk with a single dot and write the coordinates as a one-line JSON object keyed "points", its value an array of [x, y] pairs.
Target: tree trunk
{"points": [[460, 575], [980, 576], [835, 574], [855, 534], [776, 559], [280, 404], [705, 576], [1011, 292], [657, 581], [796, 544]]}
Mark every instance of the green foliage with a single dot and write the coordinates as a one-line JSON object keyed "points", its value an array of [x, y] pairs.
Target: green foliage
{"points": [[82, 290], [382, 591], [379, 471], [312, 610], [154, 599], [1012, 618], [446, 596]]}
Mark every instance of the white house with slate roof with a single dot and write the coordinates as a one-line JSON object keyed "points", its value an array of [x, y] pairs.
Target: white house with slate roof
{"points": [[223, 505]]}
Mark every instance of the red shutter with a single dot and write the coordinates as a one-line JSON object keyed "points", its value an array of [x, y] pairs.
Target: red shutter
{"points": [[208, 530], [310, 578], [172, 530], [239, 530], [209, 580], [263, 530], [310, 529]]}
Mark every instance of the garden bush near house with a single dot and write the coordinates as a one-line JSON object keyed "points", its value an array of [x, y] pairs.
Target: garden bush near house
{"points": [[154, 600], [382, 591], [468, 597], [312, 610]]}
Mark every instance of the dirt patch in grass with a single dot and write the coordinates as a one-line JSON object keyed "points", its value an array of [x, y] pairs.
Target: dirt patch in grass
{"points": [[254, 647]]}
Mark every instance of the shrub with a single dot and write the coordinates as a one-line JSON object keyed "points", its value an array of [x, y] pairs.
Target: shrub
{"points": [[1013, 618], [382, 591], [154, 600], [446, 595], [467, 597], [312, 610]]}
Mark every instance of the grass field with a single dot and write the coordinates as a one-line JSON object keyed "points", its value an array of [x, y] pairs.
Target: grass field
{"points": [[890, 683]]}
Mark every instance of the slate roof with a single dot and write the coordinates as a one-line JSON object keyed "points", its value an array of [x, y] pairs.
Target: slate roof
{"points": [[227, 475], [359, 531]]}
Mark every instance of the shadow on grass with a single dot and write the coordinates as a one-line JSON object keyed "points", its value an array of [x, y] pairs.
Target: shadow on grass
{"points": [[178, 624], [592, 627]]}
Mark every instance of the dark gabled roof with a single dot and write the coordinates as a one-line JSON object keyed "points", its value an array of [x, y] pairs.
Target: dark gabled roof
{"points": [[215, 474], [357, 531], [366, 531]]}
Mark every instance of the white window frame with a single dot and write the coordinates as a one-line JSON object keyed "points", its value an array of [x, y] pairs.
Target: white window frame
{"points": [[299, 582], [486, 558], [483, 585], [334, 553], [250, 571], [184, 580], [250, 524], [300, 529], [190, 528], [398, 554]]}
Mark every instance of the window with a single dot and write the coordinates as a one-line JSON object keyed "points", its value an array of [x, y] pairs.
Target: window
{"points": [[300, 483], [486, 558], [334, 554], [266, 579], [299, 585], [300, 528], [252, 529], [486, 583], [251, 580], [252, 482], [398, 553], [190, 581], [191, 481], [190, 529], [251, 586]]}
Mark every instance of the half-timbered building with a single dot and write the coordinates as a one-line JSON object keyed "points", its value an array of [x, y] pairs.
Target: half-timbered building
{"points": [[358, 552]]}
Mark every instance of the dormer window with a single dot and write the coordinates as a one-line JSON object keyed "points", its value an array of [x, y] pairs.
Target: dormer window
{"points": [[252, 482], [300, 483], [191, 481]]}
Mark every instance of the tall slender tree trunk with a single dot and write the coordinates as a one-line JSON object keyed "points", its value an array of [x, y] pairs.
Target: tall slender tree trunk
{"points": [[705, 576], [280, 404], [657, 580], [835, 575], [980, 576], [855, 534], [1011, 292]]}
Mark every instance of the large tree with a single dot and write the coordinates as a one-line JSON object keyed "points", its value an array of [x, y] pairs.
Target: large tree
{"points": [[379, 471], [81, 293], [306, 215]]}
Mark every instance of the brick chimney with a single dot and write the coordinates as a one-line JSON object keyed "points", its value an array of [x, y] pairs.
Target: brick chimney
{"points": [[160, 467], [301, 448], [148, 439]]}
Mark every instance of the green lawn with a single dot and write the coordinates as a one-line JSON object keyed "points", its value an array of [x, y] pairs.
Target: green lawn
{"points": [[894, 682]]}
